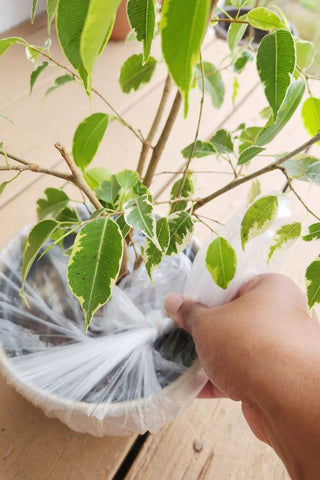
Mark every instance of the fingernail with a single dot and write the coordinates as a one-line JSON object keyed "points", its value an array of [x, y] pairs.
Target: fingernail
{"points": [[172, 304]]}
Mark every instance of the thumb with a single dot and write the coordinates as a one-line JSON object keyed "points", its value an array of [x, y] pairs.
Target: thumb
{"points": [[184, 311]]}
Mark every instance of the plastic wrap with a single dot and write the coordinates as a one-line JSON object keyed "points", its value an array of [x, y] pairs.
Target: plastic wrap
{"points": [[134, 371]]}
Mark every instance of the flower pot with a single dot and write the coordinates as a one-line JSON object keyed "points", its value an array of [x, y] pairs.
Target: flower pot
{"points": [[222, 28], [121, 26], [48, 358]]}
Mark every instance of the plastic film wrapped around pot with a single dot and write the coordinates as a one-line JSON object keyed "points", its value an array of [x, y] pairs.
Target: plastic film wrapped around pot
{"points": [[134, 371]]}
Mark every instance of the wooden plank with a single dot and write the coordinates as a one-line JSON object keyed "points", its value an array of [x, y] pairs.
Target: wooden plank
{"points": [[34, 447], [210, 440]]}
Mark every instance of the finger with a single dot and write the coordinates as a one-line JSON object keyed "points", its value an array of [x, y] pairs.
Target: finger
{"points": [[210, 391], [184, 311]]}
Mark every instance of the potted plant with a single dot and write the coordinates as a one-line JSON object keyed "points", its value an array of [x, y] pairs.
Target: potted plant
{"points": [[111, 244]]}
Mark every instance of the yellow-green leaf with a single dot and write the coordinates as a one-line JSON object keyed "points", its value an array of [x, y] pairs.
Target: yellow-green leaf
{"points": [[135, 73], [38, 235], [276, 60], [313, 283], [94, 264], [88, 137], [141, 14], [183, 26], [311, 116], [258, 218], [221, 262], [286, 235]]}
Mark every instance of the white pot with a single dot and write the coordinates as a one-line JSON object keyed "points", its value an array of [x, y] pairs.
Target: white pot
{"points": [[98, 418]]}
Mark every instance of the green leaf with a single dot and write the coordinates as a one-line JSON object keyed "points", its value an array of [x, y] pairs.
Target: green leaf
{"points": [[201, 149], [109, 189], [35, 74], [135, 73], [181, 230], [287, 234], [151, 255], [3, 117], [51, 12], [287, 109], [264, 19], [138, 213], [128, 178], [34, 6], [141, 14], [221, 262], [313, 283], [222, 141], [94, 264], [59, 81], [235, 89], [56, 200], [87, 138], [305, 53], [68, 215], [186, 192], [70, 21], [276, 61], [235, 33], [249, 137], [265, 113], [97, 26], [4, 184], [311, 116], [258, 218], [242, 61], [213, 83], [313, 173], [38, 235], [5, 43], [96, 175], [183, 26], [314, 233], [124, 227], [298, 166], [248, 154], [254, 191], [140, 189]]}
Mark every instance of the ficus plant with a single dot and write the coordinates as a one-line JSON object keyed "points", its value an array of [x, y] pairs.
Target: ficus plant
{"points": [[121, 202]]}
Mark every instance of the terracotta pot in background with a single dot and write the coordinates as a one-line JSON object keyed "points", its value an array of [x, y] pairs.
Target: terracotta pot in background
{"points": [[121, 25]]}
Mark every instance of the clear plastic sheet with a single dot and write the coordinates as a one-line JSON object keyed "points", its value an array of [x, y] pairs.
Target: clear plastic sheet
{"points": [[134, 371]]}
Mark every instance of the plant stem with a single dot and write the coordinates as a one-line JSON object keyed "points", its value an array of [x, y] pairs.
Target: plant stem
{"points": [[77, 177], [158, 149], [118, 116], [229, 20], [157, 119], [186, 168], [269, 168], [37, 169], [289, 183]]}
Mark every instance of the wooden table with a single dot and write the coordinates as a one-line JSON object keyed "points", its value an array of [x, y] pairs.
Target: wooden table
{"points": [[210, 440]]}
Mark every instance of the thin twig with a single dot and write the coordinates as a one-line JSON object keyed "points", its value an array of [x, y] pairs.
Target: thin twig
{"points": [[158, 149], [77, 177], [293, 190], [155, 124], [178, 172], [186, 168], [228, 20], [118, 116], [269, 168], [32, 167]]}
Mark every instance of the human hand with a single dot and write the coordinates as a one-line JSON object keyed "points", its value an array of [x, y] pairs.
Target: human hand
{"points": [[263, 349]]}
